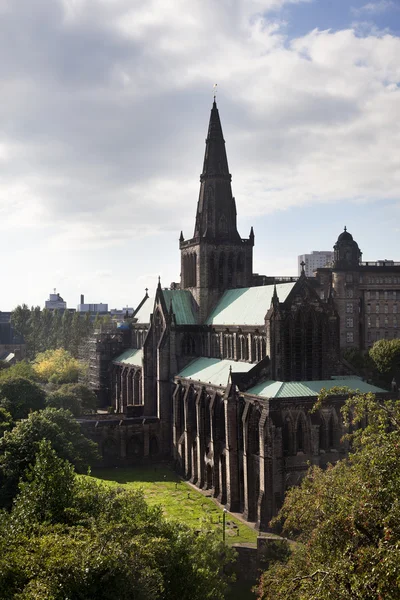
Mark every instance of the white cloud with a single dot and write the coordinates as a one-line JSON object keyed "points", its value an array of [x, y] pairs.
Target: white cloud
{"points": [[373, 8], [105, 105]]}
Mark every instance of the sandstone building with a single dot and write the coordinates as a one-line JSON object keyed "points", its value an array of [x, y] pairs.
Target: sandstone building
{"points": [[219, 373], [366, 294]]}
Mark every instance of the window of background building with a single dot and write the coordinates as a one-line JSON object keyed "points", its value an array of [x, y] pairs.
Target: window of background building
{"points": [[368, 295], [349, 307], [377, 322], [349, 278], [385, 295], [377, 308], [369, 336], [394, 308], [369, 321], [349, 322], [349, 336], [394, 321], [386, 334], [377, 295], [386, 309], [349, 293], [394, 279], [368, 308], [394, 295], [386, 321]]}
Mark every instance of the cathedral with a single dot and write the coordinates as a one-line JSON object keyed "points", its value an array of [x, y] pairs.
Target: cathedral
{"points": [[217, 373]]}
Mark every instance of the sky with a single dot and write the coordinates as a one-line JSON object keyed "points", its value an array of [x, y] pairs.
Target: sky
{"points": [[104, 112]]}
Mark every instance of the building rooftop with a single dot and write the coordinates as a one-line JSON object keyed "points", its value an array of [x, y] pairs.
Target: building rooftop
{"points": [[247, 306], [296, 389], [130, 357], [183, 306], [213, 370], [144, 312]]}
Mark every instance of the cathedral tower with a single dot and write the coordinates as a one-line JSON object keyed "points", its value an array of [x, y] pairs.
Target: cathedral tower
{"points": [[216, 258]]}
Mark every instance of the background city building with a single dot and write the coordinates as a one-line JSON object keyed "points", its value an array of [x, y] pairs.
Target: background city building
{"points": [[96, 308], [313, 261], [55, 302]]}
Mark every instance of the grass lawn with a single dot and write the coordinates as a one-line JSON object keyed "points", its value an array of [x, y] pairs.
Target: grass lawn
{"points": [[178, 500]]}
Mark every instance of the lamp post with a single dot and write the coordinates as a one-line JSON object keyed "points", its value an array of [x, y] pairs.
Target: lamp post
{"points": [[223, 524]]}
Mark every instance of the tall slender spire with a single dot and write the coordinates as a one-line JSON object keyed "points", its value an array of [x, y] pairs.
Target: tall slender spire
{"points": [[216, 209], [215, 159]]}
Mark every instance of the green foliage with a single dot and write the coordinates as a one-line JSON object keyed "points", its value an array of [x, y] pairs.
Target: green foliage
{"points": [[57, 366], [6, 421], [20, 369], [20, 396], [20, 320], [386, 355], [77, 398], [64, 400], [49, 330], [4, 365], [47, 490], [346, 520], [19, 447], [68, 537]]}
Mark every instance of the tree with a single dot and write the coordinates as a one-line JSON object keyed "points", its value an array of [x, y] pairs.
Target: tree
{"points": [[34, 336], [76, 397], [21, 396], [20, 369], [6, 421], [55, 339], [46, 330], [57, 366], [20, 320], [47, 490], [386, 356], [70, 537], [19, 447], [66, 330], [346, 520]]}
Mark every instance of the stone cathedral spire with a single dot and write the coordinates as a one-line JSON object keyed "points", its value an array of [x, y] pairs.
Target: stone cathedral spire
{"points": [[216, 258], [216, 208]]}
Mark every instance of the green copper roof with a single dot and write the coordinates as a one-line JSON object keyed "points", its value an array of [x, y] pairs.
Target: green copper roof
{"points": [[130, 357], [295, 389], [213, 370], [183, 306], [143, 315], [247, 306]]}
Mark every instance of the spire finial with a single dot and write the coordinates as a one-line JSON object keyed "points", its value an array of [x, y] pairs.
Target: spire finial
{"points": [[215, 89], [302, 264], [159, 281], [146, 290], [345, 228]]}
